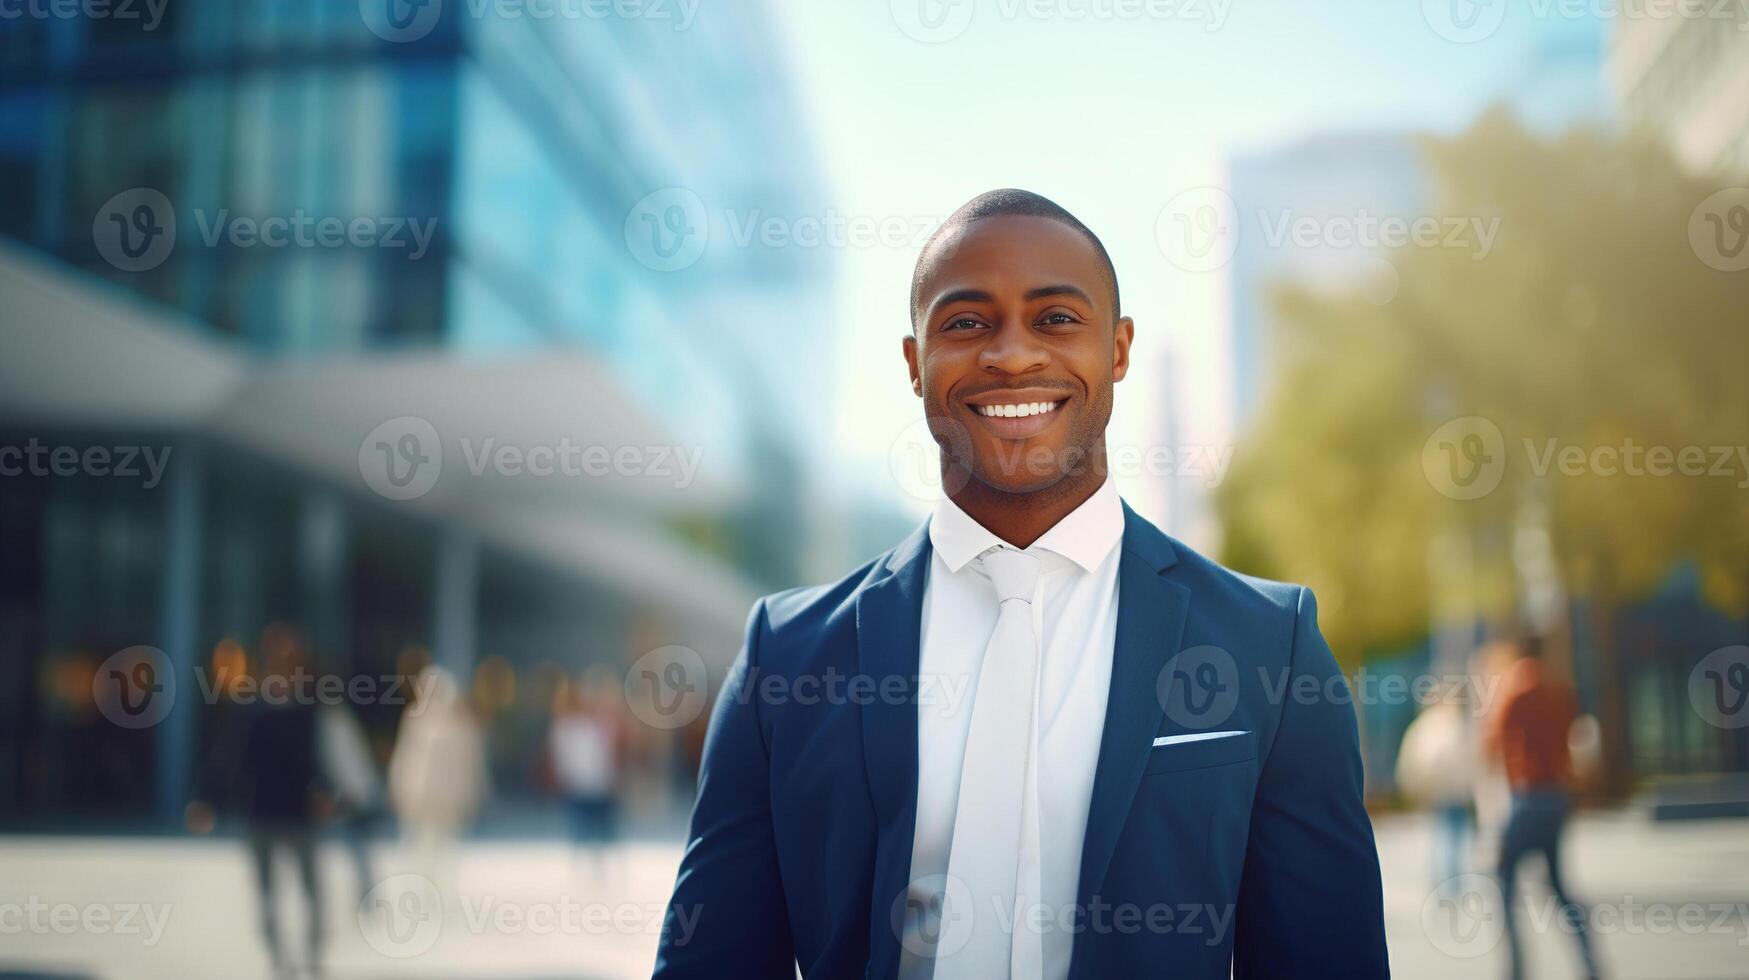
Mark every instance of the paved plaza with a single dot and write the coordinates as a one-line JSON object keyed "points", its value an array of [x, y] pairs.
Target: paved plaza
{"points": [[1670, 900]]}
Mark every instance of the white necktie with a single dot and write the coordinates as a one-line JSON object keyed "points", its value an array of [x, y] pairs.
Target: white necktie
{"points": [[995, 850]]}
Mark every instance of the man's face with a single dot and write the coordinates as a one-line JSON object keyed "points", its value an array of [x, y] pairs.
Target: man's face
{"points": [[1017, 346]]}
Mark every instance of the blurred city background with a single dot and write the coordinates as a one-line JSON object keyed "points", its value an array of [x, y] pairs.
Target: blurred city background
{"points": [[464, 371]]}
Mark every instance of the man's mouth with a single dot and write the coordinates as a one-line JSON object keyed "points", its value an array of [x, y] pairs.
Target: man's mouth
{"points": [[1016, 411], [1018, 414]]}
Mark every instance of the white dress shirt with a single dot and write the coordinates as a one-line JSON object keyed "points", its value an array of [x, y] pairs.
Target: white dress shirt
{"points": [[1076, 623]]}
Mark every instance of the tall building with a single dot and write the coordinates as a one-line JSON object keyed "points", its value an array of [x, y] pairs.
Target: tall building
{"points": [[441, 323], [1327, 177], [1687, 78]]}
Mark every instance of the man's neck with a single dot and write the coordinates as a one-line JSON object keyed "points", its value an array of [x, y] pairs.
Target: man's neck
{"points": [[1022, 518]]}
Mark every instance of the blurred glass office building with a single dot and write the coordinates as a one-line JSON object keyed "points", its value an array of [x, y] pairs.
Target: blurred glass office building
{"points": [[436, 331]]}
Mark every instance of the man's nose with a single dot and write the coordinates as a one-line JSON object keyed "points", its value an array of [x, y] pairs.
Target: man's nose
{"points": [[1013, 348]]}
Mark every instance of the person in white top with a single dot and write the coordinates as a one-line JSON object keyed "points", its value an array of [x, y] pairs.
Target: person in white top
{"points": [[1075, 613], [1039, 738]]}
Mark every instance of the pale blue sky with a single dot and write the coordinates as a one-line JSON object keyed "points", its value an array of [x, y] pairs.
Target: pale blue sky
{"points": [[1111, 117]]}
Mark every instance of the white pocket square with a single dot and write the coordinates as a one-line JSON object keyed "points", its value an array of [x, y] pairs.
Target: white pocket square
{"points": [[1194, 737]]}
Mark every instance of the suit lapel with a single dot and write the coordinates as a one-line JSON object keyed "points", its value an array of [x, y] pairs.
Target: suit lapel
{"points": [[1150, 622], [889, 625]]}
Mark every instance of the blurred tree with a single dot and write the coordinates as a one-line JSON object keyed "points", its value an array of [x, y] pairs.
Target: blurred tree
{"points": [[1589, 334]]}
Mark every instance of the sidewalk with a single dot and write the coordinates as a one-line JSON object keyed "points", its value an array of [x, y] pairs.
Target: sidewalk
{"points": [[1670, 901], [1667, 900]]}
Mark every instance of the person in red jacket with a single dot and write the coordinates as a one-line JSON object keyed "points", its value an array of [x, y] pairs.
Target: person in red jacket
{"points": [[1528, 733]]}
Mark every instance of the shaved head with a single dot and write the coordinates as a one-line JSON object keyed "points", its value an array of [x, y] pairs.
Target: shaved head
{"points": [[990, 204]]}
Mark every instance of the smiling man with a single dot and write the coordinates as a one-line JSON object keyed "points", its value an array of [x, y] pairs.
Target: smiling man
{"points": [[1150, 767]]}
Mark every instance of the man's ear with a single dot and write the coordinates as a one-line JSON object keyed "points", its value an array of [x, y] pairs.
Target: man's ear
{"points": [[911, 363], [1122, 333]]}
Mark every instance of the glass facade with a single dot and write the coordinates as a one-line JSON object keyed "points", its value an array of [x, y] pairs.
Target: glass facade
{"points": [[508, 152]]}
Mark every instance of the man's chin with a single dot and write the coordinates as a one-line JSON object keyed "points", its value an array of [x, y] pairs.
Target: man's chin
{"points": [[1022, 483]]}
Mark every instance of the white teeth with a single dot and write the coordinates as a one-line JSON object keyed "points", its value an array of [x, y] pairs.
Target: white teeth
{"points": [[1017, 411]]}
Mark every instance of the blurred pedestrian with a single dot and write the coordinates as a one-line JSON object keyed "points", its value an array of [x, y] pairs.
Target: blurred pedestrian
{"points": [[437, 773], [1436, 768], [585, 744], [351, 771], [1529, 732], [270, 774]]}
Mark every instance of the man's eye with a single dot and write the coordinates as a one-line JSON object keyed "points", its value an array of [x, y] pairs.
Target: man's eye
{"points": [[963, 323], [1058, 318]]}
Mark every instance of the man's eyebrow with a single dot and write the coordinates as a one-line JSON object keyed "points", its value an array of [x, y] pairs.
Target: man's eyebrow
{"points": [[1062, 290], [962, 296]]}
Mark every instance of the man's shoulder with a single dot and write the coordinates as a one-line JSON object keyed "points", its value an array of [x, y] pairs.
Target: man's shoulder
{"points": [[814, 608], [1214, 584]]}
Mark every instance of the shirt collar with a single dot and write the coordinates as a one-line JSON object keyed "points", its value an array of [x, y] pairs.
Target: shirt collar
{"points": [[1085, 536]]}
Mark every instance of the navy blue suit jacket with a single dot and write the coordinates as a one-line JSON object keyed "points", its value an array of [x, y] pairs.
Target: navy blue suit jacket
{"points": [[1249, 853]]}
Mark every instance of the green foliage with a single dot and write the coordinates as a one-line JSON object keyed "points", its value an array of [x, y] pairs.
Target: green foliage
{"points": [[1592, 321]]}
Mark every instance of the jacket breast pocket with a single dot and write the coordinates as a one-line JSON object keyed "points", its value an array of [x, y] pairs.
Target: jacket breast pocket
{"points": [[1203, 753]]}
